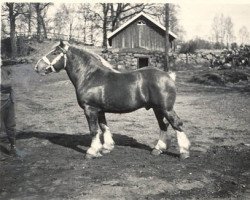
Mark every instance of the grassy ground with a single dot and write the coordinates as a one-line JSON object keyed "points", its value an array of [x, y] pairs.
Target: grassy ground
{"points": [[53, 138]]}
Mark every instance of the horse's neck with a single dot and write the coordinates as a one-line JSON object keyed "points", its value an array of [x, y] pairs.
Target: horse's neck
{"points": [[78, 67]]}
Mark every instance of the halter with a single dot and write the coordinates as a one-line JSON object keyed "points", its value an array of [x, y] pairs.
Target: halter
{"points": [[55, 60]]}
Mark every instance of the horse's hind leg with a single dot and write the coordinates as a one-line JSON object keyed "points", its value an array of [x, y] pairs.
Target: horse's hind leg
{"points": [[162, 143], [109, 143], [92, 118], [183, 141]]}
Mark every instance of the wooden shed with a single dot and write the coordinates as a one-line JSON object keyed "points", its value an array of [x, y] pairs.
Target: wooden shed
{"points": [[140, 32]]}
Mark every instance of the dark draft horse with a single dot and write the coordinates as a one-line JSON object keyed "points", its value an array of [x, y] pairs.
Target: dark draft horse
{"points": [[101, 89]]}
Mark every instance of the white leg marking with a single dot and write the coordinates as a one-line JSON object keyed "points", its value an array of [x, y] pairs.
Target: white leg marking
{"points": [[108, 140], [95, 145], [162, 143], [183, 142]]}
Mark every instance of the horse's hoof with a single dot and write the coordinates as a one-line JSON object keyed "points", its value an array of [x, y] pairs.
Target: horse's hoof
{"points": [[184, 156], [98, 155], [107, 148], [156, 152], [91, 156], [106, 151]]}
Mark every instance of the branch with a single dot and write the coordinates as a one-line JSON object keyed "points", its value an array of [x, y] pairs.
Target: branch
{"points": [[134, 7], [130, 15]]}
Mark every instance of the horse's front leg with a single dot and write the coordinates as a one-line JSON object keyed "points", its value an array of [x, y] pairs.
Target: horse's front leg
{"points": [[109, 143], [92, 118]]}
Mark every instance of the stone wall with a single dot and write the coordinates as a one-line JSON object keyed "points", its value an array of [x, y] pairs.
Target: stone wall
{"points": [[127, 59]]}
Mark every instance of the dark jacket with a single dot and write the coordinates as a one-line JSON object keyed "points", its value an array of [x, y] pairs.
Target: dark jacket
{"points": [[5, 85]]}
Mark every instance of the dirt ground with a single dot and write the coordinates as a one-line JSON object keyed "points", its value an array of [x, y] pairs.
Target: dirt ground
{"points": [[53, 138]]}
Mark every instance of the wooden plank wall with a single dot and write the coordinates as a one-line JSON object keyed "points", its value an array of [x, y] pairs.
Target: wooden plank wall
{"points": [[147, 36]]}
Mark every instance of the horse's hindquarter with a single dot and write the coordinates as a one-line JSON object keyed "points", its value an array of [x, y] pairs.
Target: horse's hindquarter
{"points": [[161, 88]]}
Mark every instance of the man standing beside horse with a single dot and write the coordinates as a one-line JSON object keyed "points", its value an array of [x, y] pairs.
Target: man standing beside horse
{"points": [[7, 113]]}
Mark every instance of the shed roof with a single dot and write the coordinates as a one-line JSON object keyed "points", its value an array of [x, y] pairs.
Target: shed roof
{"points": [[136, 17]]}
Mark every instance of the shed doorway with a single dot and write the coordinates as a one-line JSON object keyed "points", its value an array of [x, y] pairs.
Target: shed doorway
{"points": [[142, 62]]}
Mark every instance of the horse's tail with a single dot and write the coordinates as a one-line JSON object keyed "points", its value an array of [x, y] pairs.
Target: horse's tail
{"points": [[172, 75]]}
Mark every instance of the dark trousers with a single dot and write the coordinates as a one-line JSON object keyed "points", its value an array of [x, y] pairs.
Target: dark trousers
{"points": [[8, 122]]}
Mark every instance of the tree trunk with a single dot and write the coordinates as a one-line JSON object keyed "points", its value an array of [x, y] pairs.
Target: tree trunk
{"points": [[12, 18], [115, 15], [13, 39], [105, 39], [70, 30], [112, 16], [166, 65], [39, 22], [105, 23], [29, 20], [91, 33], [44, 28], [84, 31]]}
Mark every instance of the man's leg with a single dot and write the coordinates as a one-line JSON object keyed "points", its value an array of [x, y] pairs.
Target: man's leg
{"points": [[10, 126]]}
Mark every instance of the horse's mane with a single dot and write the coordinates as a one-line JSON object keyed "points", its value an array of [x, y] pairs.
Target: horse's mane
{"points": [[101, 62]]}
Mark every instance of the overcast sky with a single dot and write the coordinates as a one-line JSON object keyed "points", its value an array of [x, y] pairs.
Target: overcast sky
{"points": [[196, 18]]}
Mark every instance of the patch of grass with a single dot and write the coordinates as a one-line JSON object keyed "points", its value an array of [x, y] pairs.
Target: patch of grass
{"points": [[208, 79], [220, 77]]}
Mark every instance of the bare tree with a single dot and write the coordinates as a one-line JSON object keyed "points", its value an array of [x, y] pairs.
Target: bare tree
{"points": [[24, 20], [95, 25], [14, 10], [87, 16], [222, 29], [228, 30], [243, 35], [113, 14], [40, 8], [105, 10], [216, 28], [123, 11], [27, 18], [65, 19], [157, 11], [58, 22], [39, 23]]}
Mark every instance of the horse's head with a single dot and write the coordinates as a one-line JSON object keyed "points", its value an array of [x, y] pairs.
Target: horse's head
{"points": [[54, 61]]}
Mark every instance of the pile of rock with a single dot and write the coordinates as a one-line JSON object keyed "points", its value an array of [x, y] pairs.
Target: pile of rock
{"points": [[232, 58]]}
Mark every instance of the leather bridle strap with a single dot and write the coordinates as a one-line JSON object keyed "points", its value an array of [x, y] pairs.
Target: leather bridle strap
{"points": [[64, 51], [55, 60]]}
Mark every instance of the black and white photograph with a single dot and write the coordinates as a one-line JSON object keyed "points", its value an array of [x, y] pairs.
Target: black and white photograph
{"points": [[125, 100]]}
